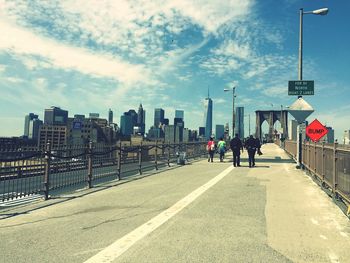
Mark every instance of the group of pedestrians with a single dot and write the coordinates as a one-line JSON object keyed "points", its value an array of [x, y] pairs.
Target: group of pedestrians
{"points": [[252, 146], [212, 148]]}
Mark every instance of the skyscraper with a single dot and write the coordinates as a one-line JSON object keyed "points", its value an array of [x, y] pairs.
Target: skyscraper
{"points": [[208, 116], [219, 131], [128, 121], [27, 119], [31, 126], [141, 119], [55, 116], [110, 116], [171, 134], [239, 123], [126, 125], [134, 117], [158, 117], [329, 137], [178, 122], [201, 131]]}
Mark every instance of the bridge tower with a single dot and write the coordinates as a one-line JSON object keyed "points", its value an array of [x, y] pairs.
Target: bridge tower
{"points": [[271, 116]]}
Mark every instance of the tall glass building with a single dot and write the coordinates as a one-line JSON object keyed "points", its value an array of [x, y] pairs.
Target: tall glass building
{"points": [[219, 131], [158, 117], [208, 116], [31, 126], [141, 119], [126, 124], [239, 123], [110, 116]]}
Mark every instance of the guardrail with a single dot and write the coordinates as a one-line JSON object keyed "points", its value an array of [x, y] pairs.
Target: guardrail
{"points": [[330, 163], [31, 171]]}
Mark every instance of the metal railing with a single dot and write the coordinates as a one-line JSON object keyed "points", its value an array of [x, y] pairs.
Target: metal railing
{"points": [[31, 171], [330, 163]]}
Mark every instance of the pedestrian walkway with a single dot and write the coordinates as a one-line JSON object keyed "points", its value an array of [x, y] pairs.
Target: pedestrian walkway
{"points": [[201, 212]]}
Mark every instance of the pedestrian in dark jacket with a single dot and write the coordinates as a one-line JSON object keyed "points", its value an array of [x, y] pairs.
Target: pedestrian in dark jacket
{"points": [[236, 147], [252, 145]]}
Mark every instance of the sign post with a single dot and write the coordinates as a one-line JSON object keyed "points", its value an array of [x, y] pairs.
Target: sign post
{"points": [[301, 87], [300, 110]]}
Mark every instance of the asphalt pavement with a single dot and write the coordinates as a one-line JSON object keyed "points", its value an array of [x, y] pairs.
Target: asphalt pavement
{"points": [[200, 212]]}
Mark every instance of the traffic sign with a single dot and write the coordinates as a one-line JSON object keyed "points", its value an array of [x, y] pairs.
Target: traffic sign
{"points": [[315, 131], [300, 110], [301, 87]]}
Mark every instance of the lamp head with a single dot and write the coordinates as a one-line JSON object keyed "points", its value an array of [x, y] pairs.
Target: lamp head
{"points": [[322, 11]]}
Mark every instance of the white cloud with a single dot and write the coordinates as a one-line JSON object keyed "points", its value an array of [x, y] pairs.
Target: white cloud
{"points": [[234, 49], [20, 41], [221, 101], [2, 68], [13, 79]]}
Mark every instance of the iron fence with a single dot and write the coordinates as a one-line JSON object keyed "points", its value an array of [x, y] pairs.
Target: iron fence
{"points": [[31, 171], [330, 163]]}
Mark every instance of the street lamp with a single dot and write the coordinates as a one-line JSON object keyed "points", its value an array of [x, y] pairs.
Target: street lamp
{"points": [[233, 109], [322, 11]]}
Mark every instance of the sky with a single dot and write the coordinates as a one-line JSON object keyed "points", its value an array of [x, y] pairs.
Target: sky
{"points": [[91, 55]]}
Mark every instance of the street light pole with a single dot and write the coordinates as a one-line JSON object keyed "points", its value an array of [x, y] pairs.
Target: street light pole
{"points": [[322, 11], [300, 67], [249, 123], [233, 110], [282, 120]]}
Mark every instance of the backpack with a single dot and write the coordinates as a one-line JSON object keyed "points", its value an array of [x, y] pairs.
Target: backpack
{"points": [[212, 147]]}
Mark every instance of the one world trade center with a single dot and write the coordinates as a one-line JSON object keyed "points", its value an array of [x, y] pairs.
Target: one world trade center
{"points": [[208, 116]]}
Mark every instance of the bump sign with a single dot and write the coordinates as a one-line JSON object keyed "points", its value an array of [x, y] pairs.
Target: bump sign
{"points": [[316, 130]]}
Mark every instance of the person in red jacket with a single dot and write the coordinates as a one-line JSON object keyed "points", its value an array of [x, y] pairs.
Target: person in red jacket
{"points": [[211, 149]]}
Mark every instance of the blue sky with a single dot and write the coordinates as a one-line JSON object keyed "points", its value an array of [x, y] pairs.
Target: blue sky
{"points": [[92, 55]]}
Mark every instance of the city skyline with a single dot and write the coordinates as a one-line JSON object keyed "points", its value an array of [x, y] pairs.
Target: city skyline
{"points": [[92, 56], [178, 115]]}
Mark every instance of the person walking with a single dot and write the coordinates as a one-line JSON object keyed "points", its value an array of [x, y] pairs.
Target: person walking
{"points": [[222, 149], [258, 146], [236, 147], [252, 145], [211, 149]]}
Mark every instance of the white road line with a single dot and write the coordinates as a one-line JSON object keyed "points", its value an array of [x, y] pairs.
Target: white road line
{"points": [[121, 245]]}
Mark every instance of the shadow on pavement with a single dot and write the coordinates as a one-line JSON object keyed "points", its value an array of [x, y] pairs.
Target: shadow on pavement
{"points": [[58, 196], [269, 160]]}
